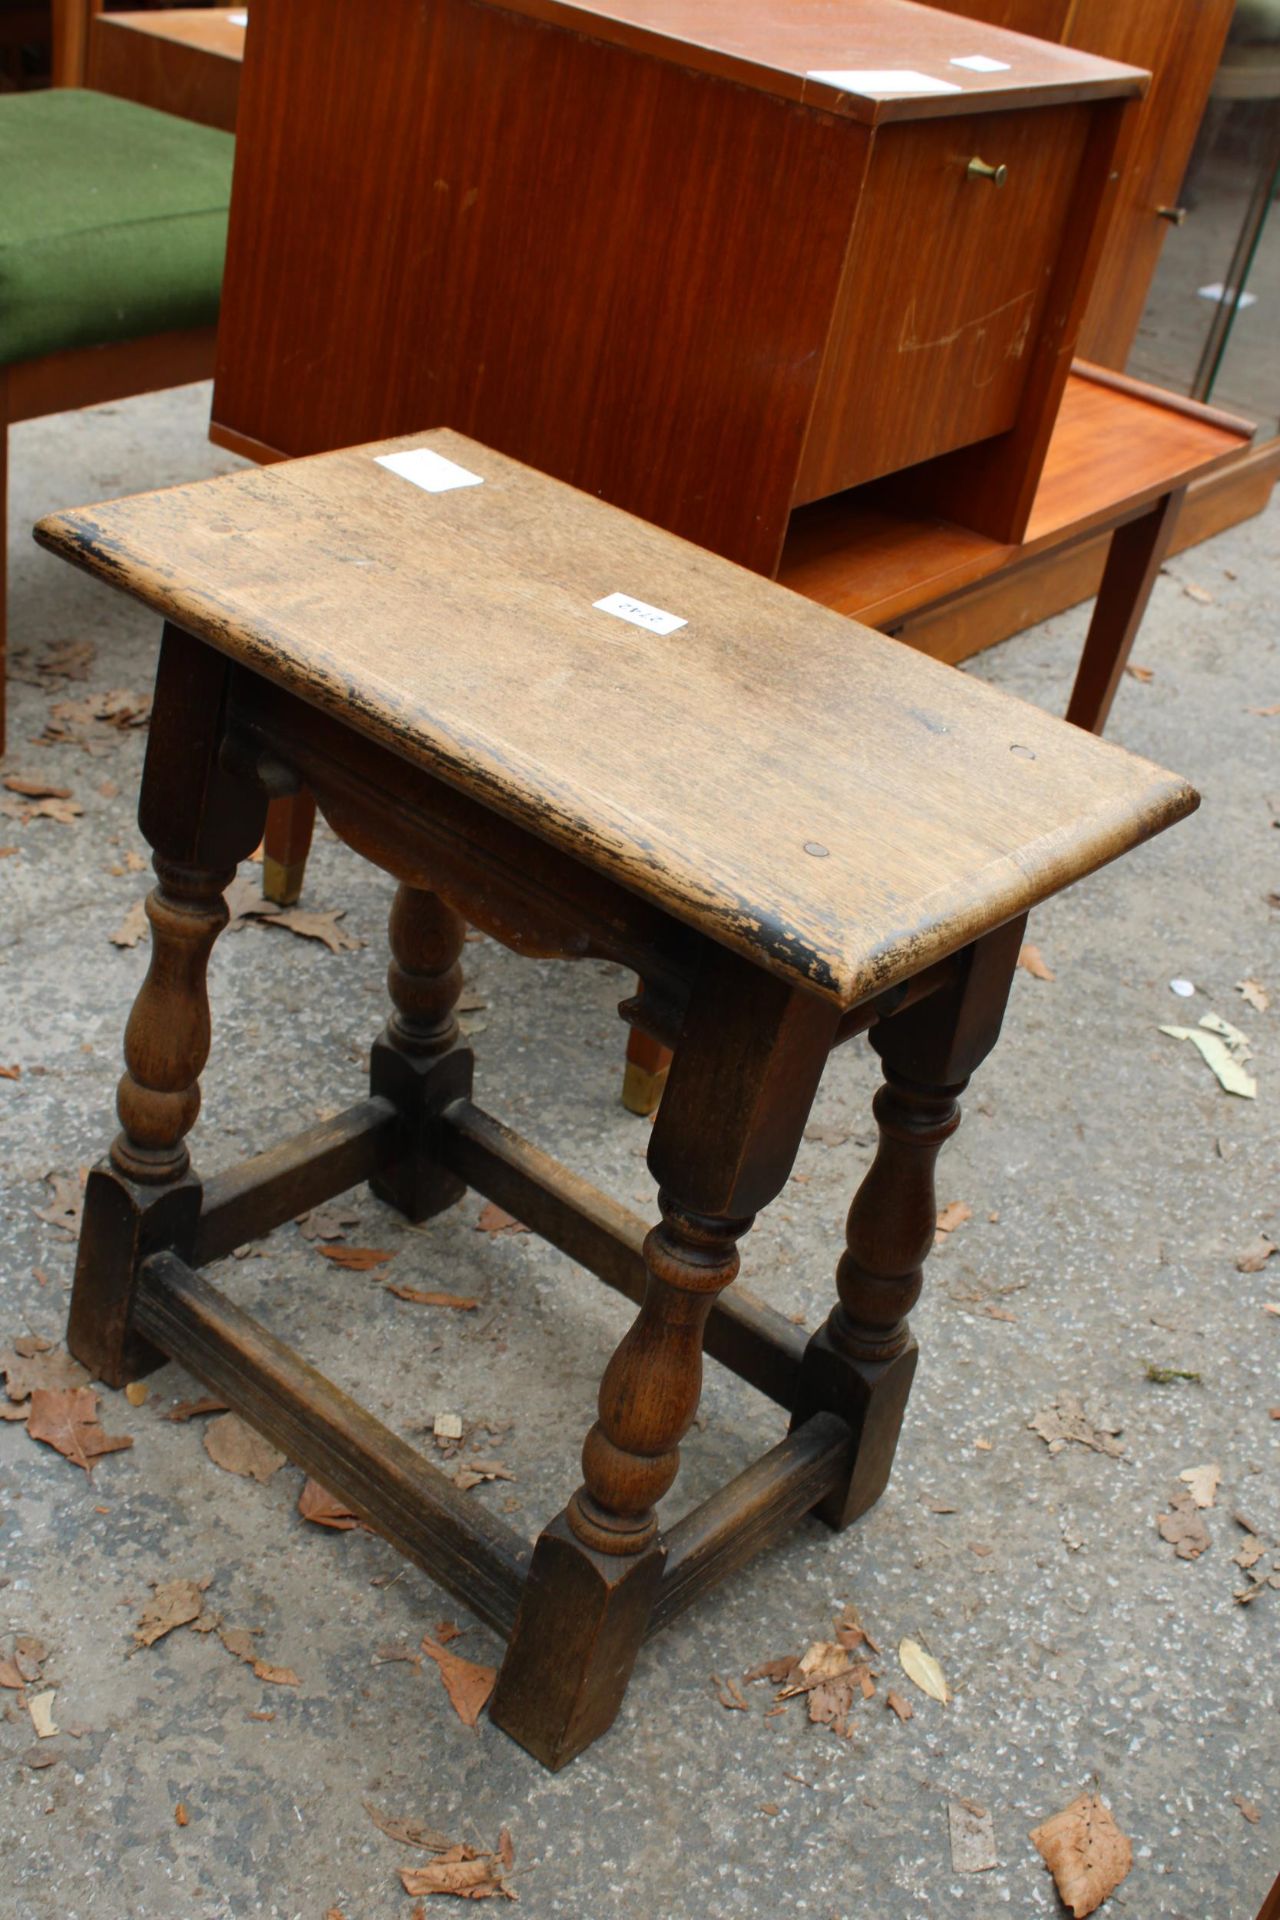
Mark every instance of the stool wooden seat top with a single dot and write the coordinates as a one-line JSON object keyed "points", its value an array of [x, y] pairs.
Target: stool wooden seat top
{"points": [[836, 807], [829, 835]]}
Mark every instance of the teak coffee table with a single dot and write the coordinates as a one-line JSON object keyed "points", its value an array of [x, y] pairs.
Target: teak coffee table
{"points": [[829, 834]]}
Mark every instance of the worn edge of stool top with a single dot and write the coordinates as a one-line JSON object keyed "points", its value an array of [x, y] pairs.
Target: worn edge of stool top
{"points": [[841, 809]]}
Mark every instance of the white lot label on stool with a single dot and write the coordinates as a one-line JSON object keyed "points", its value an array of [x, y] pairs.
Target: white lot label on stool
{"points": [[981, 63], [429, 470], [639, 613], [877, 80]]}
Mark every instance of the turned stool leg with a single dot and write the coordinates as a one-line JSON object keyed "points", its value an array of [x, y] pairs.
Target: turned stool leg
{"points": [[201, 821], [862, 1362], [421, 1063], [723, 1144]]}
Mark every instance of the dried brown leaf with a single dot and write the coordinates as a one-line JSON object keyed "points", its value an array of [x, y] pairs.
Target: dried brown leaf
{"points": [[64, 1209], [132, 927], [194, 1409], [40, 1707], [461, 1301], [1255, 1258], [461, 1871], [411, 1833], [1251, 1813], [1255, 993], [775, 1670], [1031, 960], [67, 1420], [357, 1259], [729, 1694], [326, 1223], [467, 1683], [276, 1676], [325, 1509], [34, 788], [903, 1708], [1065, 1419], [1183, 1528], [47, 1368], [1085, 1852], [174, 1603], [953, 1215], [311, 925], [495, 1219], [231, 1443]]}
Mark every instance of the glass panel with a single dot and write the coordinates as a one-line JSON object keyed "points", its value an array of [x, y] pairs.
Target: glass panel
{"points": [[1211, 326]]}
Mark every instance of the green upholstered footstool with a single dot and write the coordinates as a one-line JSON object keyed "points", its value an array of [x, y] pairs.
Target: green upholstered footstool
{"points": [[113, 225]]}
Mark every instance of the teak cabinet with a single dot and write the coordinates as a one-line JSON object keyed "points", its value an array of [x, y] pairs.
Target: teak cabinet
{"points": [[710, 259]]}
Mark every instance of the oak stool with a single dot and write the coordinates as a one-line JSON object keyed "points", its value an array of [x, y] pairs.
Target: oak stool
{"points": [[830, 835]]}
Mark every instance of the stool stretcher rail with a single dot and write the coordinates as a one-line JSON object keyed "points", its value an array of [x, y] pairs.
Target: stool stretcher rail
{"points": [[411, 1503], [743, 1333], [761, 1505]]}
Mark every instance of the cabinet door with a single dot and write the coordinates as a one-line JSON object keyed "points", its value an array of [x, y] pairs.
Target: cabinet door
{"points": [[943, 292]]}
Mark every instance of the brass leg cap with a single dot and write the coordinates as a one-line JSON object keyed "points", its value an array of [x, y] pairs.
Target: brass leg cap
{"points": [[642, 1090], [281, 883]]}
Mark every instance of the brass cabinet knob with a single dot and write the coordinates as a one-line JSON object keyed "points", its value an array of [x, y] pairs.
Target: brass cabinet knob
{"points": [[981, 170], [1174, 215]]}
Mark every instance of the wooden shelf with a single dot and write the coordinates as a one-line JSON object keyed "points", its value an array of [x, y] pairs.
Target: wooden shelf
{"points": [[1117, 447]]}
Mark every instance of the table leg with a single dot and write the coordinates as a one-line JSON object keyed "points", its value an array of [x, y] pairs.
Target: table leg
{"points": [[726, 1136], [201, 821], [291, 821], [421, 1062], [1133, 562], [645, 1074], [862, 1362]]}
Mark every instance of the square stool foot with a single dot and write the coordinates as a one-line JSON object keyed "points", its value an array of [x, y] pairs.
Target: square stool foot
{"points": [[123, 1222], [871, 1397], [582, 1620]]}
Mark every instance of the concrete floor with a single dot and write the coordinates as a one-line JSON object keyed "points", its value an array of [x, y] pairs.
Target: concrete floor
{"points": [[1079, 1648]]}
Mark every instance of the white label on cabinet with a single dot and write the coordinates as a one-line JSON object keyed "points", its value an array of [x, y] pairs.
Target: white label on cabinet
{"points": [[881, 80], [981, 63], [639, 613], [429, 470]]}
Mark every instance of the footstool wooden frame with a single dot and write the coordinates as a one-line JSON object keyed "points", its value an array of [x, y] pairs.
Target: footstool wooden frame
{"points": [[835, 836]]}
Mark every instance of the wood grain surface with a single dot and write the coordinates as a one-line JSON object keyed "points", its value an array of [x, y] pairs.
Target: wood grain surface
{"points": [[835, 807], [778, 46]]}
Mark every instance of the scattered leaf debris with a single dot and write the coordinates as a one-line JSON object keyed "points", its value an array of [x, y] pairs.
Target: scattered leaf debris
{"points": [[730, 1695], [467, 1683], [1183, 1528], [1065, 1419], [1167, 1376], [66, 1418], [903, 1708], [43, 1367], [1251, 1813], [1224, 1050], [231, 1443], [462, 1871], [1255, 993], [1203, 1483], [173, 1603], [1086, 1853], [40, 1707], [64, 1208]]}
